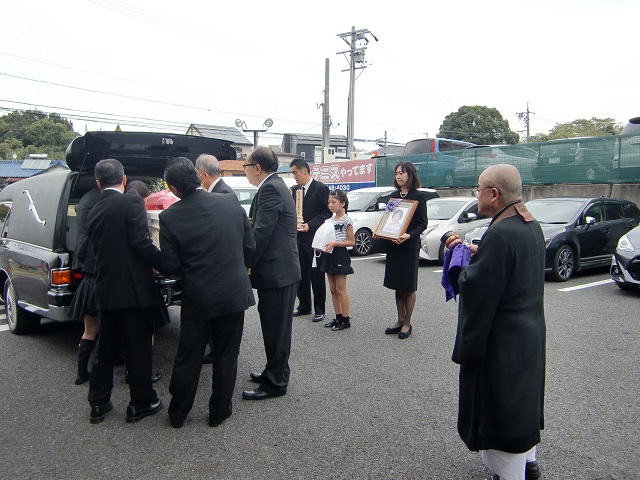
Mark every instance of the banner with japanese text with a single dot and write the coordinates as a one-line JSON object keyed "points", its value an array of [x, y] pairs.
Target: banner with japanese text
{"points": [[346, 176]]}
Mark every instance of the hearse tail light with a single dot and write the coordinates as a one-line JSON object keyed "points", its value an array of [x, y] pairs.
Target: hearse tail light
{"points": [[65, 276]]}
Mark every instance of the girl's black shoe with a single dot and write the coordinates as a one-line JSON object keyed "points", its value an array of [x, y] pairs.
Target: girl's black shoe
{"points": [[331, 323], [341, 325]]}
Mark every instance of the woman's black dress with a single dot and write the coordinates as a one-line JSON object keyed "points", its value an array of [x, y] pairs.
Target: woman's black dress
{"points": [[401, 268]]}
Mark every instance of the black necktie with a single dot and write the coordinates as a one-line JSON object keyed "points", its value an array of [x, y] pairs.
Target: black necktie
{"points": [[303, 190]]}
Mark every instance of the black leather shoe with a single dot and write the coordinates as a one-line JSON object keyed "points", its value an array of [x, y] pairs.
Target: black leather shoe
{"points": [[258, 394], [407, 333], [154, 377], [80, 379], [217, 422], [99, 411], [135, 414], [331, 323], [176, 423], [317, 318], [255, 377], [392, 330], [532, 471], [207, 359], [298, 313]]}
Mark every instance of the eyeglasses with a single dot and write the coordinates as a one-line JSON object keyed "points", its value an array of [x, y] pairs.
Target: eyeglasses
{"points": [[245, 165], [476, 190]]}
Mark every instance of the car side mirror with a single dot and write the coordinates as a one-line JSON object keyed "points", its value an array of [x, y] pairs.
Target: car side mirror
{"points": [[589, 220], [382, 206], [469, 216]]}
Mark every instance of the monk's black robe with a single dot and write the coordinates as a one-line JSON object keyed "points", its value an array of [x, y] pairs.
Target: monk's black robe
{"points": [[500, 341]]}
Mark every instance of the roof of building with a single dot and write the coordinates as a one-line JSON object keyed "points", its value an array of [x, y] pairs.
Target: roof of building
{"points": [[17, 168], [317, 139], [230, 134]]}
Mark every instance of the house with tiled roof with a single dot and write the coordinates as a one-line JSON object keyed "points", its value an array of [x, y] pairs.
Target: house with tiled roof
{"points": [[13, 170], [238, 140], [306, 145]]}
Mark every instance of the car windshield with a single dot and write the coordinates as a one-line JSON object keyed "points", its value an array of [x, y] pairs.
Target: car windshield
{"points": [[554, 211], [245, 195], [359, 200], [443, 208]]}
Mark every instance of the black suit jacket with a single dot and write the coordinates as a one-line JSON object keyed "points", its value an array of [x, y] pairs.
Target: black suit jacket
{"points": [[119, 233], [315, 210], [84, 260], [206, 239], [274, 263], [221, 187]]}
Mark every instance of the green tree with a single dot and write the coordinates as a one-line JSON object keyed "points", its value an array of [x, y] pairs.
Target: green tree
{"points": [[32, 131], [479, 125], [595, 127]]}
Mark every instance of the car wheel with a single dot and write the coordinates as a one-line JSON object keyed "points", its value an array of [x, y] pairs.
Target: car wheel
{"points": [[19, 320], [563, 264], [449, 179], [364, 243]]}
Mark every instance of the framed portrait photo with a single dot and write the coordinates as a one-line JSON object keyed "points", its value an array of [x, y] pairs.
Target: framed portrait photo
{"points": [[394, 223]]}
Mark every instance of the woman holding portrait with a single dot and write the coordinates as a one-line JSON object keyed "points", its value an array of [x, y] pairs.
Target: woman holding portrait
{"points": [[401, 268]]}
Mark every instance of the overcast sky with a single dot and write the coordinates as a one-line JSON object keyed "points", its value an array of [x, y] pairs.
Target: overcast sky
{"points": [[165, 64]]}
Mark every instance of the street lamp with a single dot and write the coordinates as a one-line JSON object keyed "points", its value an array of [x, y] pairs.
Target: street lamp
{"points": [[265, 126]]}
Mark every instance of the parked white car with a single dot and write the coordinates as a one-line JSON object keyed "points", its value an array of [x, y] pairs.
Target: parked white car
{"points": [[366, 206], [456, 214], [245, 191]]}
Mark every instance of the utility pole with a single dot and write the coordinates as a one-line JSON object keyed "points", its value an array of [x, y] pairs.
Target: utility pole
{"points": [[357, 41], [525, 116], [326, 119]]}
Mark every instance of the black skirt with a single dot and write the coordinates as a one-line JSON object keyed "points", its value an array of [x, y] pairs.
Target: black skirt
{"points": [[401, 270], [338, 262], [84, 299]]}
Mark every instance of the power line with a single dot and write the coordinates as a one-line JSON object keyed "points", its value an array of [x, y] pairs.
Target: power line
{"points": [[204, 109]]}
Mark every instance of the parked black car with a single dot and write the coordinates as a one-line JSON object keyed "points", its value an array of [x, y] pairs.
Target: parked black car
{"points": [[582, 232], [38, 222], [625, 265]]}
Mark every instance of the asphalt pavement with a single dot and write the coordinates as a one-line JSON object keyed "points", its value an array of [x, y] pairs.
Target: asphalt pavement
{"points": [[360, 405]]}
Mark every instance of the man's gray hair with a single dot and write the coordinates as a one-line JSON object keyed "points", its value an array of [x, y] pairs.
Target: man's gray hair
{"points": [[208, 164]]}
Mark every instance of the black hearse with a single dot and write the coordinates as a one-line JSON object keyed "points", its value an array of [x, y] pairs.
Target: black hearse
{"points": [[37, 217]]}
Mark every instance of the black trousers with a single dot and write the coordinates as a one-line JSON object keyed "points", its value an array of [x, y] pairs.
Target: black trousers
{"points": [[225, 334], [311, 278], [275, 307], [135, 327]]}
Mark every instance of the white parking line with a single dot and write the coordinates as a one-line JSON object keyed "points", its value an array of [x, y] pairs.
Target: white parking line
{"points": [[4, 328], [369, 257], [586, 285]]}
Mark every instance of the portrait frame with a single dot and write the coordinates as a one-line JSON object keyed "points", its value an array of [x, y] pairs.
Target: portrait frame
{"points": [[391, 227]]}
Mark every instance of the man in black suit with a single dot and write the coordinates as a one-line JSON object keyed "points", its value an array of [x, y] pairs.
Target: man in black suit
{"points": [[275, 271], [126, 293], [315, 211], [210, 174], [206, 239], [210, 177]]}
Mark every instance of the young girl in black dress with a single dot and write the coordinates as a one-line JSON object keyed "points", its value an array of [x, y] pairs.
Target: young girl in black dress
{"points": [[337, 262]]}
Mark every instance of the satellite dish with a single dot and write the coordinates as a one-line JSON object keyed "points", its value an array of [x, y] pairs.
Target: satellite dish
{"points": [[268, 122], [239, 123]]}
